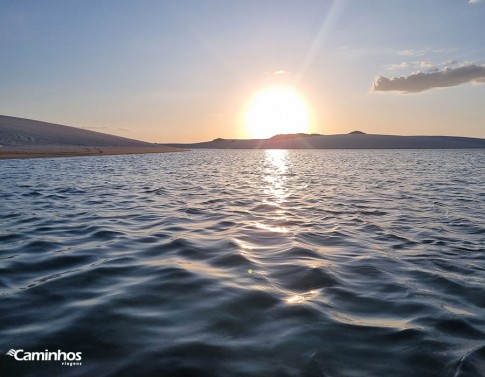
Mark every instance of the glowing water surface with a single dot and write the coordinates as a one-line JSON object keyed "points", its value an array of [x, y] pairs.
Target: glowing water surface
{"points": [[246, 263]]}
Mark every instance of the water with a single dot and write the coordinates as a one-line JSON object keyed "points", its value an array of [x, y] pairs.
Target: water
{"points": [[246, 263]]}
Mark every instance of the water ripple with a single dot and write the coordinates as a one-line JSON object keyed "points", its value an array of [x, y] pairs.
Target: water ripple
{"points": [[246, 263]]}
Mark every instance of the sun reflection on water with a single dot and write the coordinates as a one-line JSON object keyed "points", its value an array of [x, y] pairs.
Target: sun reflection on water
{"points": [[275, 168], [274, 224], [300, 298], [276, 229]]}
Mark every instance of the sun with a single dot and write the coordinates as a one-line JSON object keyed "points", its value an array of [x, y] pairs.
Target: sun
{"points": [[276, 110]]}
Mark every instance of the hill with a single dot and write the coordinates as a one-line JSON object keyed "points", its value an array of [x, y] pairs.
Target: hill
{"points": [[31, 138], [347, 141]]}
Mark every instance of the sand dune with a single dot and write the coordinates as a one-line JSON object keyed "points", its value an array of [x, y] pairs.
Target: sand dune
{"points": [[23, 138], [348, 141]]}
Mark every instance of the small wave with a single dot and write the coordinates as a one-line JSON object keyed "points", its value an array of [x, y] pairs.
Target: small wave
{"points": [[302, 263]]}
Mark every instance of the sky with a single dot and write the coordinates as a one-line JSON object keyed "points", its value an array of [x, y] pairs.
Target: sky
{"points": [[187, 70]]}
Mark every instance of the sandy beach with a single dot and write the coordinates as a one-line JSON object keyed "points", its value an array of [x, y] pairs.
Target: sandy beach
{"points": [[41, 152]]}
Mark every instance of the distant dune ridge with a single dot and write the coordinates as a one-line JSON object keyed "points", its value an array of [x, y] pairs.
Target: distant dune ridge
{"points": [[24, 138], [21, 138], [354, 140]]}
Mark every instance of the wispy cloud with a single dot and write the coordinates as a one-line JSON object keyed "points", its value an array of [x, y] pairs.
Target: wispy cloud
{"points": [[412, 52], [399, 66], [423, 52], [475, 1], [425, 64], [416, 64], [421, 81]]}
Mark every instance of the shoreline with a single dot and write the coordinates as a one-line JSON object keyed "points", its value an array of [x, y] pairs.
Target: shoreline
{"points": [[74, 151]]}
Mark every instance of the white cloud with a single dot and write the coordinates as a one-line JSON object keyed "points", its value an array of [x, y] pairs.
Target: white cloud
{"points": [[412, 52], [421, 81], [399, 66], [475, 1], [424, 51], [281, 72], [415, 64], [424, 64]]}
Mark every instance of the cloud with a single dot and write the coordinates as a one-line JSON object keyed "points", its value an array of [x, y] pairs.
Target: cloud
{"points": [[399, 66], [412, 52], [424, 64], [421, 81], [281, 72], [416, 64], [475, 1], [424, 51]]}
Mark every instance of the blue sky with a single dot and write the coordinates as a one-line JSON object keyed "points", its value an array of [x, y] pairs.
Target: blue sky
{"points": [[187, 70]]}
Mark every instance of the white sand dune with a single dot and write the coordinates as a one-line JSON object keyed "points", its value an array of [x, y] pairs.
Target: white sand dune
{"points": [[20, 138], [348, 141]]}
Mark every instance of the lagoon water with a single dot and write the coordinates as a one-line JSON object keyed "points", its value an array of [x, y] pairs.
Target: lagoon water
{"points": [[246, 263]]}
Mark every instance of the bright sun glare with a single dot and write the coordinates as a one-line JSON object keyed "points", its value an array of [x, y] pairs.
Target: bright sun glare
{"points": [[276, 111]]}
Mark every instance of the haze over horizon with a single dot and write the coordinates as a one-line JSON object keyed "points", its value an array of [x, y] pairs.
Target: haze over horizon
{"points": [[163, 71]]}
